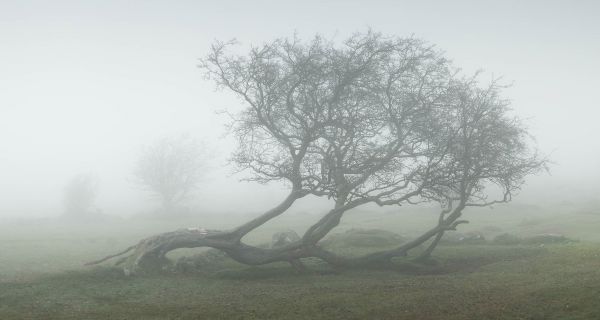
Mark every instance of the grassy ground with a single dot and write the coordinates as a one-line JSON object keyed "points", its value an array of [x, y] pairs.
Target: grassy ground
{"points": [[469, 282], [476, 282]]}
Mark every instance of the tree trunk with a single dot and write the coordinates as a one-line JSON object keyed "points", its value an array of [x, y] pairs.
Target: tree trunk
{"points": [[149, 255], [427, 253]]}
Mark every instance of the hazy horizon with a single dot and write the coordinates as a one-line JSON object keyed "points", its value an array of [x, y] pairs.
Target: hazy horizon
{"points": [[84, 85]]}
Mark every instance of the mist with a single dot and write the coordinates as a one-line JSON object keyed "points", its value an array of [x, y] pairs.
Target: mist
{"points": [[87, 86]]}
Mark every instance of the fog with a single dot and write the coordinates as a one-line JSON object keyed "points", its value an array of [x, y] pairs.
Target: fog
{"points": [[120, 197], [85, 84]]}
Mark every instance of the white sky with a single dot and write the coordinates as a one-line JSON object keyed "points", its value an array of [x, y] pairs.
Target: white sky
{"points": [[83, 84]]}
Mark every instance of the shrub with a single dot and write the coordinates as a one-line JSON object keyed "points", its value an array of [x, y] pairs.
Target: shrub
{"points": [[364, 238]]}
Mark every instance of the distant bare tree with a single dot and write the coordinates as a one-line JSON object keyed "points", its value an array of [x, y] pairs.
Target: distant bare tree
{"points": [[374, 120], [79, 195], [171, 168]]}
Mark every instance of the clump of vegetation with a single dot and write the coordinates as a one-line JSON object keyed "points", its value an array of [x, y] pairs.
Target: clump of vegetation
{"points": [[547, 238], [540, 239], [507, 239], [364, 238]]}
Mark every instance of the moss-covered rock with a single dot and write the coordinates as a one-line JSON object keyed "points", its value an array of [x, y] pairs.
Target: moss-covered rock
{"points": [[208, 260], [282, 238], [363, 238]]}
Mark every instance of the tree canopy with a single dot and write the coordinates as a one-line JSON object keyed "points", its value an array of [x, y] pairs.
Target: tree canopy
{"points": [[375, 119], [171, 168], [80, 193]]}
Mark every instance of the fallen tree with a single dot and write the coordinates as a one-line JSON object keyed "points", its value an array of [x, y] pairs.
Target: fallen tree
{"points": [[373, 120]]}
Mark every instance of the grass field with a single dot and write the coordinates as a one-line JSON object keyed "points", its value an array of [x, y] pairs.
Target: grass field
{"points": [[41, 276]]}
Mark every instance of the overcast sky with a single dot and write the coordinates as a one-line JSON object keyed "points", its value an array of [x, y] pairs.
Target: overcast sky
{"points": [[84, 84]]}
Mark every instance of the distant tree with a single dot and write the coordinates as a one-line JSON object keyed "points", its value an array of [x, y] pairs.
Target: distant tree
{"points": [[373, 120], [171, 168], [79, 196]]}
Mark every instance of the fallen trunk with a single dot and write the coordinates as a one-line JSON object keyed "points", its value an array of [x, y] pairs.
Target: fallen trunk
{"points": [[149, 255]]}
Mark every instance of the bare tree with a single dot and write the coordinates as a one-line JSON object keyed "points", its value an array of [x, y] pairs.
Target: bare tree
{"points": [[79, 195], [171, 168], [371, 120]]}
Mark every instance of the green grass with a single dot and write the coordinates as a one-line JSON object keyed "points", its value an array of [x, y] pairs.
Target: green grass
{"points": [[41, 277], [473, 282]]}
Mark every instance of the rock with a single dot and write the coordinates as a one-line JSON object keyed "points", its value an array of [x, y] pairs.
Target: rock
{"points": [[453, 237], [205, 261], [507, 239], [280, 239]]}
